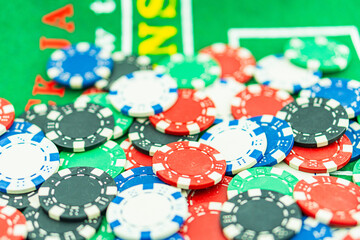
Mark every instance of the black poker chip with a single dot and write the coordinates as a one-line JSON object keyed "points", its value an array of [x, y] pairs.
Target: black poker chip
{"points": [[37, 114], [77, 193], [316, 122], [146, 139], [80, 126], [40, 226], [19, 201], [261, 214], [124, 65]]}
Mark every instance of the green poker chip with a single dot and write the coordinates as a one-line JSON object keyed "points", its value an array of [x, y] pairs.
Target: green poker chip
{"points": [[194, 72], [346, 172], [104, 232], [265, 178], [356, 173], [109, 157], [318, 53], [122, 122]]}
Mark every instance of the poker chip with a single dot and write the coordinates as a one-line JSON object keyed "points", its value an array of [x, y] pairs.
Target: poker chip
{"points": [[235, 63], [37, 115], [40, 226], [136, 176], [277, 72], [266, 178], [80, 126], [12, 224], [104, 232], [19, 201], [298, 174], [121, 121], [143, 93], [21, 126], [346, 92], [321, 160], [147, 211], [192, 72], [193, 113], [171, 164], [217, 193], [203, 222], [356, 173], [250, 214], [134, 158], [318, 53], [340, 211], [242, 142], [146, 139], [124, 65], [79, 65], [313, 230], [7, 115], [316, 122], [109, 157], [353, 234], [280, 139], [222, 92], [26, 161], [353, 133], [346, 172], [257, 100], [77, 193]]}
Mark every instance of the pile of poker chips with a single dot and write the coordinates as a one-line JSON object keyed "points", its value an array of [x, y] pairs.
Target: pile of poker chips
{"points": [[185, 150]]}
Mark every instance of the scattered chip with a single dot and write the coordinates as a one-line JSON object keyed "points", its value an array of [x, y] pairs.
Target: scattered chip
{"points": [[242, 142], [300, 175], [134, 158], [321, 160], [121, 121], [104, 232], [27, 160], [79, 66], [80, 126], [109, 157], [265, 178], [261, 214], [21, 126], [277, 72], [313, 230], [146, 139], [192, 113], [194, 72], [340, 211], [235, 63], [124, 65], [356, 173], [353, 133], [316, 122], [318, 53], [352, 234], [12, 224], [346, 172], [147, 211], [19, 201], [77, 193], [7, 115], [37, 115], [257, 100], [346, 92], [280, 139]]}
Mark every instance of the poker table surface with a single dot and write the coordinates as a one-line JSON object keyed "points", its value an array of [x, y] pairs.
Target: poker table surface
{"points": [[32, 30]]}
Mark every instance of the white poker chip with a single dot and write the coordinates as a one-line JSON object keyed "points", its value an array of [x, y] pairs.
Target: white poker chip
{"points": [[143, 93]]}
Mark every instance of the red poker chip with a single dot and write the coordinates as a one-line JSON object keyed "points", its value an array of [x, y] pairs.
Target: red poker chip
{"points": [[321, 160], [192, 113], [12, 224], [330, 200], [7, 115], [92, 90], [217, 193], [134, 158], [203, 222], [257, 100], [236, 63], [189, 165]]}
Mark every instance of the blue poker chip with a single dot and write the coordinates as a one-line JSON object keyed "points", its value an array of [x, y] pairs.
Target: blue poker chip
{"points": [[21, 126], [136, 176], [242, 142], [353, 133], [280, 139], [346, 92], [80, 65], [313, 230]]}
